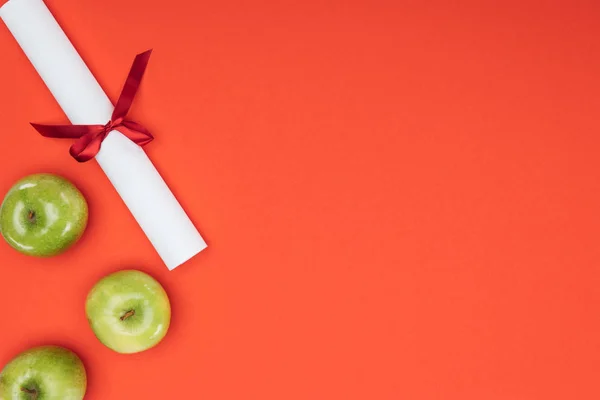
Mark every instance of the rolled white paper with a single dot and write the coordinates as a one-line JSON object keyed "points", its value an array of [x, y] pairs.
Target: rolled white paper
{"points": [[127, 166]]}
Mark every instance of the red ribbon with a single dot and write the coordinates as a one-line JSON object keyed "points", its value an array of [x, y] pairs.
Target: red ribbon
{"points": [[90, 137]]}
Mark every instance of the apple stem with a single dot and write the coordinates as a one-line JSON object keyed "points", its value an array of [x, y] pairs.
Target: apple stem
{"points": [[31, 216], [128, 314], [30, 391]]}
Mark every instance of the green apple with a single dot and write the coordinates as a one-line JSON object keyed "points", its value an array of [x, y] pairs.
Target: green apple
{"points": [[129, 311], [43, 215], [44, 373]]}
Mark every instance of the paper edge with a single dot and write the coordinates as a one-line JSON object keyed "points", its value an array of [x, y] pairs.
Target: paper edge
{"points": [[3, 6], [188, 258]]}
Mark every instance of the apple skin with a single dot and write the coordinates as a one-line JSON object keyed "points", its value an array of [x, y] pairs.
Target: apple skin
{"points": [[43, 215], [129, 311], [44, 373]]}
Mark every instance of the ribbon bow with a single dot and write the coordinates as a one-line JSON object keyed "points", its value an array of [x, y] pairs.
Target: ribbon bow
{"points": [[90, 137]]}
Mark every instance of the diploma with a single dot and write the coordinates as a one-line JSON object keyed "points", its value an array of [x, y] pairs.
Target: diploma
{"points": [[126, 165]]}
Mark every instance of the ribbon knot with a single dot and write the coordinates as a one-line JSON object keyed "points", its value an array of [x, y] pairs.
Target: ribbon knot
{"points": [[90, 137], [108, 127]]}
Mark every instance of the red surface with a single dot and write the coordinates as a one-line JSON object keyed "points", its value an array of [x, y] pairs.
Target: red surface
{"points": [[401, 198]]}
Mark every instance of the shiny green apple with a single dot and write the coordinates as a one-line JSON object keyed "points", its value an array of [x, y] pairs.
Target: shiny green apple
{"points": [[43, 215], [129, 311], [44, 373]]}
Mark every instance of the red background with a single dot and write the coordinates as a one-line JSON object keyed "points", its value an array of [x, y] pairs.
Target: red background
{"points": [[401, 198]]}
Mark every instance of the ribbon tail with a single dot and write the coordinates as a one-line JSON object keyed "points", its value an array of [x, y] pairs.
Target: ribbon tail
{"points": [[134, 79], [65, 131]]}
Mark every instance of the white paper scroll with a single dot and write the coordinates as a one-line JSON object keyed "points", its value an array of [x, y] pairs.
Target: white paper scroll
{"points": [[84, 102]]}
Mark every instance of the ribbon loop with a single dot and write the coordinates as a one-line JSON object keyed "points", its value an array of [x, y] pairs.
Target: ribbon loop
{"points": [[90, 137]]}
